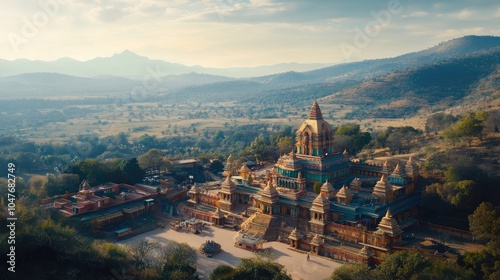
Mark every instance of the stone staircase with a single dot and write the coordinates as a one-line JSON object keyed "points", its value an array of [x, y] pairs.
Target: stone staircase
{"points": [[262, 225]]}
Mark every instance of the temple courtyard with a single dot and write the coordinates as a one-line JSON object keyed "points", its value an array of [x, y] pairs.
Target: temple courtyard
{"points": [[296, 263]]}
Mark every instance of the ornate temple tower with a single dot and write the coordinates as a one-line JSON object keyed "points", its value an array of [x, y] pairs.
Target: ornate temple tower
{"points": [[194, 194], [327, 190], [383, 190], [313, 154], [389, 228], [320, 210], [84, 193], [315, 135], [385, 168], [244, 172], [227, 194], [344, 196], [398, 176], [355, 185], [412, 172], [218, 217], [411, 168], [294, 237], [228, 167], [269, 199], [315, 243]]}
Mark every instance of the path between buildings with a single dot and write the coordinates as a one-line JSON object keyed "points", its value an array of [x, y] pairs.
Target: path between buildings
{"points": [[295, 263]]}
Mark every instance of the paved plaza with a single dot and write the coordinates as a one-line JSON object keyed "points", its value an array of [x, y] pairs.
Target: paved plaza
{"points": [[295, 263]]}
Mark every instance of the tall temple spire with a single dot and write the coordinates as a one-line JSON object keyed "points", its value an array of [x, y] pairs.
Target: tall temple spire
{"points": [[315, 112], [385, 168], [389, 225]]}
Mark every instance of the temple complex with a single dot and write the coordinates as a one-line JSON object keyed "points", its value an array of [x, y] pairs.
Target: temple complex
{"points": [[359, 213]]}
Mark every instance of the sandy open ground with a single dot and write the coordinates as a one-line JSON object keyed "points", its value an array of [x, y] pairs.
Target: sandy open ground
{"points": [[295, 262]]}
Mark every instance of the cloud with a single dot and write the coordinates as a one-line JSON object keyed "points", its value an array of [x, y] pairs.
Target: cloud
{"points": [[464, 14], [108, 14], [459, 32], [417, 14], [241, 32]]}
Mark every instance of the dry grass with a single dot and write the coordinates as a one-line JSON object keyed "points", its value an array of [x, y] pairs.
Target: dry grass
{"points": [[168, 120]]}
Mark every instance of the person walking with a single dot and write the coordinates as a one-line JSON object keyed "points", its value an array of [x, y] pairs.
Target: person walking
{"points": [[308, 256]]}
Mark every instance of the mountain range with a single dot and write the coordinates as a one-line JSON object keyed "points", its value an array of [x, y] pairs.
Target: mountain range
{"points": [[444, 74], [130, 65]]}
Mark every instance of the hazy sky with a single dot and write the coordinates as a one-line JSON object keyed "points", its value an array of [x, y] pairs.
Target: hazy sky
{"points": [[224, 33]]}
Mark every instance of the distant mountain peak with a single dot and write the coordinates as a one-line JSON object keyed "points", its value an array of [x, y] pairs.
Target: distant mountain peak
{"points": [[128, 54], [65, 59]]}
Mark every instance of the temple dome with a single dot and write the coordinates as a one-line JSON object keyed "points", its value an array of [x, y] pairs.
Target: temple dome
{"points": [[270, 193], [398, 171], [344, 192], [228, 185], [315, 121], [295, 235], [389, 225], [385, 168], [315, 135], [321, 202], [84, 185], [356, 183], [383, 186], [270, 189], [244, 168], [317, 240], [327, 187]]}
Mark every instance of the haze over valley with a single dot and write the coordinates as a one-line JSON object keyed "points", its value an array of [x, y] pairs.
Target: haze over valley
{"points": [[453, 76]]}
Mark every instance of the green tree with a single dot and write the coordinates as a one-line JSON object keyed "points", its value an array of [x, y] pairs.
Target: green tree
{"points": [[468, 127], [317, 187], [256, 268], [222, 272], [465, 195], [349, 129], [349, 137], [401, 265], [285, 144], [147, 141], [492, 122], [250, 179], [179, 261], [218, 136], [151, 160], [36, 184], [343, 142], [132, 172], [439, 121], [258, 148], [351, 272], [59, 184], [216, 166], [443, 271], [485, 224], [483, 263], [25, 161], [142, 251]]}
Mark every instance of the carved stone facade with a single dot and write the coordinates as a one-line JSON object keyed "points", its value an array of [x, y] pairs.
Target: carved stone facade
{"points": [[350, 219]]}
